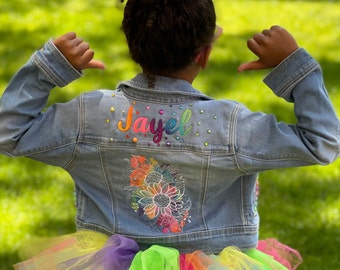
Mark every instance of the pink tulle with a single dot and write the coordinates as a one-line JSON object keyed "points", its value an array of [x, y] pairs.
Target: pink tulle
{"points": [[285, 255]]}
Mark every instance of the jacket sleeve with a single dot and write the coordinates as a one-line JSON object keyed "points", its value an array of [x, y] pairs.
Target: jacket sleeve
{"points": [[25, 97], [263, 143]]}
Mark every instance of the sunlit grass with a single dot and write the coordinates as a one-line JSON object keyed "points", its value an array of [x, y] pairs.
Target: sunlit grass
{"points": [[34, 200], [298, 206]]}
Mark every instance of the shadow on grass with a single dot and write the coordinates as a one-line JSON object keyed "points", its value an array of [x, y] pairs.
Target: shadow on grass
{"points": [[330, 71], [301, 209], [16, 45], [35, 200], [7, 259], [49, 227], [52, 226], [23, 174]]}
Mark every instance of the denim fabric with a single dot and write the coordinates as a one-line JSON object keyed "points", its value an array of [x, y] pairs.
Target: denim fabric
{"points": [[160, 162]]}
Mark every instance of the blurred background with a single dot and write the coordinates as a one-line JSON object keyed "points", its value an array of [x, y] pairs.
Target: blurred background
{"points": [[299, 206]]}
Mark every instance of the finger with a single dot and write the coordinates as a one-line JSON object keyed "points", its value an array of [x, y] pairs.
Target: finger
{"points": [[70, 35], [87, 56], [254, 65], [253, 45], [76, 41], [242, 67], [276, 27], [259, 38], [89, 62], [62, 40], [266, 32], [95, 64], [82, 48]]}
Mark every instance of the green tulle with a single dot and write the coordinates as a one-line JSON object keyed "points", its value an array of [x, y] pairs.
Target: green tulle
{"points": [[231, 258], [156, 258], [268, 263]]}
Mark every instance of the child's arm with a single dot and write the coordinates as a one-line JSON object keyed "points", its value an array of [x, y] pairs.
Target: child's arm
{"points": [[296, 77], [57, 64]]}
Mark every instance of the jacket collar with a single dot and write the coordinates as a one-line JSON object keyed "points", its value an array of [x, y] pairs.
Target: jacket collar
{"points": [[161, 89]]}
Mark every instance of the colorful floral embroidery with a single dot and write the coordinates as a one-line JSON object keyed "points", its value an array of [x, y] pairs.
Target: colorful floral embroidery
{"points": [[156, 192]]}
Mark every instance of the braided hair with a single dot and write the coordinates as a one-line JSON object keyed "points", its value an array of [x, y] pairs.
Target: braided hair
{"points": [[164, 36]]}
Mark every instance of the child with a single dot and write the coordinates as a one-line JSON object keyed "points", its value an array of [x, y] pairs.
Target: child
{"points": [[165, 176]]}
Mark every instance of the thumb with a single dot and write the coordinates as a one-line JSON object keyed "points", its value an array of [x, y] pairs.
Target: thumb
{"points": [[254, 65], [95, 64]]}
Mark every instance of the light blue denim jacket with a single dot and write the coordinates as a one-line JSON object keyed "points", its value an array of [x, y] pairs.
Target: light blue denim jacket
{"points": [[161, 162]]}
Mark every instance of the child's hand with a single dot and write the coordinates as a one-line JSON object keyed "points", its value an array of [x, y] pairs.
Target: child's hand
{"points": [[271, 46], [77, 52]]}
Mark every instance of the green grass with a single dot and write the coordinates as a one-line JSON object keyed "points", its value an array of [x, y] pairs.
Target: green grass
{"points": [[300, 207]]}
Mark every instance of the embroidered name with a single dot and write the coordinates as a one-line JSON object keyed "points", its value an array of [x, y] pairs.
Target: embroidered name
{"points": [[174, 121], [157, 128]]}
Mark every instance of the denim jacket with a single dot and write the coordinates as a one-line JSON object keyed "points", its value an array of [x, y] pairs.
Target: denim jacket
{"points": [[160, 162]]}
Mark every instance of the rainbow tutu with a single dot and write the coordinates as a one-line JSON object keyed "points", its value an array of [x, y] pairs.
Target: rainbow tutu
{"points": [[89, 250]]}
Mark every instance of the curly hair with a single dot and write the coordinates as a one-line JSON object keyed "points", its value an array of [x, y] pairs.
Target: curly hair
{"points": [[164, 36]]}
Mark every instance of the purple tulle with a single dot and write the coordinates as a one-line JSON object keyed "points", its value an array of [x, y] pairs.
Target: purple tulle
{"points": [[117, 253]]}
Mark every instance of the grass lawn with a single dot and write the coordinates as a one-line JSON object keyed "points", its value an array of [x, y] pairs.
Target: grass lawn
{"points": [[300, 206]]}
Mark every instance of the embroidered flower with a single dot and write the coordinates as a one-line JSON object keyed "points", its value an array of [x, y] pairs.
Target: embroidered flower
{"points": [[155, 193], [141, 169]]}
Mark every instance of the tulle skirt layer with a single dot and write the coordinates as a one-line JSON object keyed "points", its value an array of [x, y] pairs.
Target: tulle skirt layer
{"points": [[88, 250]]}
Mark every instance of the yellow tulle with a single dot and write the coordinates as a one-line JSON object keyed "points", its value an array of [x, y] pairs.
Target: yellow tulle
{"points": [[53, 251], [233, 258]]}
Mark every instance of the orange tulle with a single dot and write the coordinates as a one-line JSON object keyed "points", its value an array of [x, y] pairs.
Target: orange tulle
{"points": [[195, 260]]}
